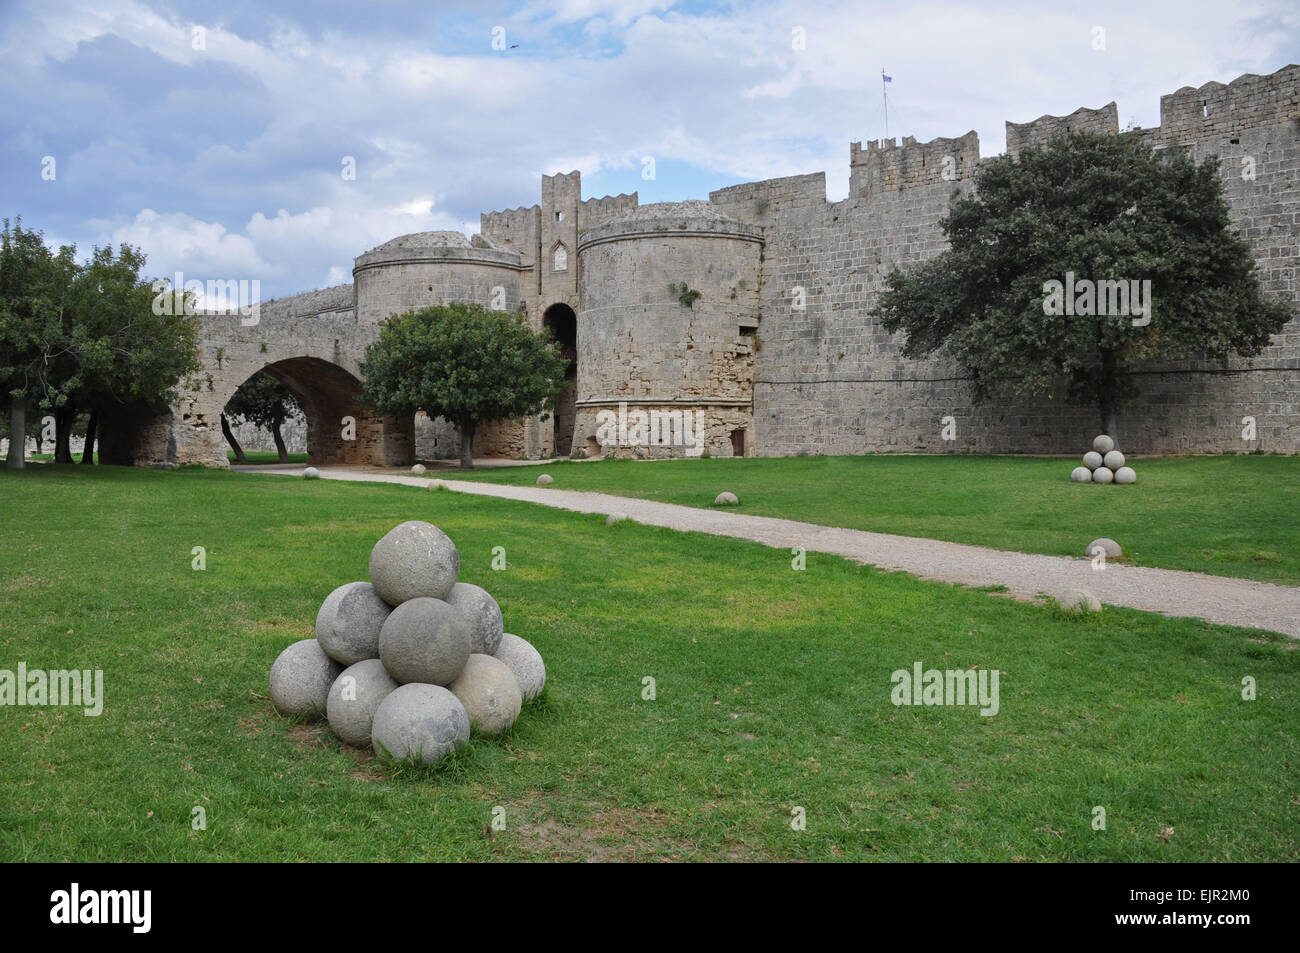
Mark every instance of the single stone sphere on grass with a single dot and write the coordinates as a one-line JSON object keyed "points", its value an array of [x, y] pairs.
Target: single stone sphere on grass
{"points": [[349, 622], [1108, 545], [1081, 475], [613, 518], [1103, 444], [1102, 475], [526, 662], [301, 678], [355, 697], [1079, 600], [1092, 459], [311, 473], [418, 469], [1113, 460], [725, 498], [482, 613], [1125, 475], [414, 559], [419, 721], [545, 480], [425, 640], [490, 693]]}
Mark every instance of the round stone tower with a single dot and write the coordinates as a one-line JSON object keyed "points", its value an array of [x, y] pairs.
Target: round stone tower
{"points": [[432, 268], [667, 329]]}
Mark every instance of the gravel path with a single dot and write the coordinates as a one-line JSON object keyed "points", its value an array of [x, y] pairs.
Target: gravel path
{"points": [[1220, 599]]}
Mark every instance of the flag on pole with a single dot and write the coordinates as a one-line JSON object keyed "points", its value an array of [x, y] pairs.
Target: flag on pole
{"points": [[887, 79]]}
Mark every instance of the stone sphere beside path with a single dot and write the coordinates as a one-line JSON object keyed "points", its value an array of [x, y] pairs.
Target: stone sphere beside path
{"points": [[348, 623], [483, 614], [354, 698], [490, 693], [311, 473], [613, 518], [1103, 444], [419, 469], [1081, 475], [545, 480], [1079, 600], [419, 721], [1125, 475], [526, 664], [414, 559], [425, 640], [301, 678], [1109, 545], [726, 499]]}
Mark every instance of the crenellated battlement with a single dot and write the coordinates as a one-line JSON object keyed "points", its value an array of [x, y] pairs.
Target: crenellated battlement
{"points": [[1024, 135], [1218, 109], [593, 212], [885, 166]]}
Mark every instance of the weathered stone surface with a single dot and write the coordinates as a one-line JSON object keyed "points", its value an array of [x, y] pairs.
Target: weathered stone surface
{"points": [[726, 499], [525, 661], [425, 640], [414, 559], [1081, 475], [545, 480], [354, 698], [490, 693], [419, 469], [613, 518], [301, 678], [1125, 475], [1106, 543], [348, 623], [311, 473], [1092, 459], [482, 613], [1114, 460], [1103, 444], [421, 721], [1102, 475], [1079, 600]]}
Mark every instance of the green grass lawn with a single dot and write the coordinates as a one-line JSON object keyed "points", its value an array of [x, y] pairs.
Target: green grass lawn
{"points": [[265, 456], [1228, 515], [773, 692]]}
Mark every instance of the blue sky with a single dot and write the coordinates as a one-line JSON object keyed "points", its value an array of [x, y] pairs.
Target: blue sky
{"points": [[220, 151]]}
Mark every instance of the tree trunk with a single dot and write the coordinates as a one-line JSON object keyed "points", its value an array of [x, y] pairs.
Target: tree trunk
{"points": [[467, 446], [17, 432], [279, 444], [1106, 395], [64, 418], [230, 439], [92, 426]]}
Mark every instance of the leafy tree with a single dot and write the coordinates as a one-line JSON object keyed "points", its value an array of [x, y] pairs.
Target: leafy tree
{"points": [[465, 363], [1080, 211], [265, 402]]}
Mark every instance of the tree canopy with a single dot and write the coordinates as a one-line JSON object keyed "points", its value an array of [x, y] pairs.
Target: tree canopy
{"points": [[462, 362], [1078, 260]]}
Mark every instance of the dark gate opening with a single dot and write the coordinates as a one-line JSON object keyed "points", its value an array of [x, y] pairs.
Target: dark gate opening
{"points": [[562, 323]]}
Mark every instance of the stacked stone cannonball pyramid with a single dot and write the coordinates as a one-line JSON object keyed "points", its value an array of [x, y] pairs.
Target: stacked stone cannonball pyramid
{"points": [[412, 661], [1103, 464]]}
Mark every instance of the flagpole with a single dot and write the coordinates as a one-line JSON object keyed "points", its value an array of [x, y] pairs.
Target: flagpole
{"points": [[884, 97]]}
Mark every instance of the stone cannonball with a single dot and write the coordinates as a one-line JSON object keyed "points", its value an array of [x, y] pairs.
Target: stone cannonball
{"points": [[1102, 475], [526, 662], [425, 640], [1114, 460], [482, 613], [1125, 475], [422, 721], [545, 480], [1092, 459], [1079, 600], [311, 473], [1081, 475], [1109, 545], [490, 693], [418, 469], [725, 498], [613, 518], [1103, 444], [349, 621], [354, 698], [301, 678], [414, 559]]}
